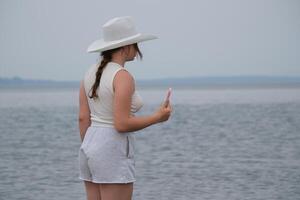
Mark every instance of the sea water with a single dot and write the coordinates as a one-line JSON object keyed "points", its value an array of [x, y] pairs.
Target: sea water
{"points": [[238, 143]]}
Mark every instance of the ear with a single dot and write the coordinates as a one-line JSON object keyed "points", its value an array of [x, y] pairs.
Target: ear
{"points": [[127, 49], [124, 50]]}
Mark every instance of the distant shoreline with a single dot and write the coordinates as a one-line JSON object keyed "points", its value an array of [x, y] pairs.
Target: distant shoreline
{"points": [[188, 82]]}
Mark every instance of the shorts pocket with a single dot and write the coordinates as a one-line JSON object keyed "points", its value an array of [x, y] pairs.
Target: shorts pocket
{"points": [[130, 146]]}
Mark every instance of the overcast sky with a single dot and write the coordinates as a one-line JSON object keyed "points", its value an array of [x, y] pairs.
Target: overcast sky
{"points": [[47, 39]]}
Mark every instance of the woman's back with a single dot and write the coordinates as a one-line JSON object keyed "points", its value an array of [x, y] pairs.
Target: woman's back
{"points": [[102, 108]]}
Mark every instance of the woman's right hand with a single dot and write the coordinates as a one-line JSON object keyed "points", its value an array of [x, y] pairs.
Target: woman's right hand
{"points": [[163, 112]]}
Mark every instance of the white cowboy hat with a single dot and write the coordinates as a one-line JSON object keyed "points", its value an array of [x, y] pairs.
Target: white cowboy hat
{"points": [[117, 32]]}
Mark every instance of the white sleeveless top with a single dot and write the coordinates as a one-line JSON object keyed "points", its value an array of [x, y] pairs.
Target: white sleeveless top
{"points": [[102, 108]]}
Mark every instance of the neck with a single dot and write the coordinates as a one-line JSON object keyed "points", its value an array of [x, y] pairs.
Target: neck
{"points": [[118, 59]]}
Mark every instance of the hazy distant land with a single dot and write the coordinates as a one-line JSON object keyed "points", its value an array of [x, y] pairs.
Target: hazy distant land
{"points": [[211, 81]]}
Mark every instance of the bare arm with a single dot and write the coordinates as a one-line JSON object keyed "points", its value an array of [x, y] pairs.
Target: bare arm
{"points": [[123, 89], [84, 112]]}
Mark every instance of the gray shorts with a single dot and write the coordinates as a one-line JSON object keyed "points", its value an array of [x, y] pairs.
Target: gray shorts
{"points": [[107, 156]]}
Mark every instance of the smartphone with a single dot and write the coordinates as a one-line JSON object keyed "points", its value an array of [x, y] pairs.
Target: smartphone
{"points": [[168, 94]]}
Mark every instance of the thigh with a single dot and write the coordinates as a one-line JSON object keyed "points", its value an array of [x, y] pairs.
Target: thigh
{"points": [[92, 191], [114, 191]]}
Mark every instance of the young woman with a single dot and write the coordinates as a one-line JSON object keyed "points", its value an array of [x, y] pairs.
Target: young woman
{"points": [[108, 101]]}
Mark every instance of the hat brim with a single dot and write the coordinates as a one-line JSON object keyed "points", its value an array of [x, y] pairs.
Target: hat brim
{"points": [[101, 45]]}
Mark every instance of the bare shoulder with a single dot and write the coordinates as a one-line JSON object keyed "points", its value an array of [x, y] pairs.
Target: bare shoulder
{"points": [[123, 80]]}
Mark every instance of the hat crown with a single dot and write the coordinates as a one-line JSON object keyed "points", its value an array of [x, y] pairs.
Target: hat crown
{"points": [[118, 28]]}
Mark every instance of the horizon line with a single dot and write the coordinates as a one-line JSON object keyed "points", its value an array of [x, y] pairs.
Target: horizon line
{"points": [[165, 78]]}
